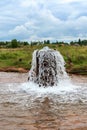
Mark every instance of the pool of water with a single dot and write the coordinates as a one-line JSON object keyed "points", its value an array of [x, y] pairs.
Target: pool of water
{"points": [[25, 106]]}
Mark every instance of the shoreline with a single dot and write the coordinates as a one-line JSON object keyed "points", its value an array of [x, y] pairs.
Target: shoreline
{"points": [[14, 69], [23, 70]]}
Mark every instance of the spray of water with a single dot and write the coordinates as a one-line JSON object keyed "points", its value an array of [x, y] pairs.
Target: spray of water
{"points": [[47, 68]]}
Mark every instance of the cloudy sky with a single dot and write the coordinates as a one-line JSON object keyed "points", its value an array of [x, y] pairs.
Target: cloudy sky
{"points": [[62, 20]]}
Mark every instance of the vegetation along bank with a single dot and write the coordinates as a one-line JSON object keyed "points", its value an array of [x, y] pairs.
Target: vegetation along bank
{"points": [[16, 56]]}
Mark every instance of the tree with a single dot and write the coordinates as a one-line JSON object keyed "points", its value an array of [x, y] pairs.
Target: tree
{"points": [[14, 43], [72, 43], [79, 42], [26, 43], [48, 41]]}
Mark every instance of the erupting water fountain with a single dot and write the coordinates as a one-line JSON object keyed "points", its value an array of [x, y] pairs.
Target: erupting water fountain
{"points": [[47, 67]]}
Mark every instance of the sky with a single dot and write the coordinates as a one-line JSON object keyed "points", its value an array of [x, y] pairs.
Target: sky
{"points": [[33, 20]]}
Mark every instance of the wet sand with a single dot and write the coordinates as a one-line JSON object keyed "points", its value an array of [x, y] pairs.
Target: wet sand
{"points": [[19, 111]]}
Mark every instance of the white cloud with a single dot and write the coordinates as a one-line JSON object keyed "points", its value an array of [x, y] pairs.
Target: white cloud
{"points": [[70, 1], [45, 19], [28, 3]]}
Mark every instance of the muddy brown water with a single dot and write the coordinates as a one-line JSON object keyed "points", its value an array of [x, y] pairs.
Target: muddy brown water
{"points": [[25, 111]]}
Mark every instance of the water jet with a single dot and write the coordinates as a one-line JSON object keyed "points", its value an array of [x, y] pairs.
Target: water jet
{"points": [[47, 67]]}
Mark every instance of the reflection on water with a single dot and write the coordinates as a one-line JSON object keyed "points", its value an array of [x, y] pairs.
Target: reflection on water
{"points": [[26, 107]]}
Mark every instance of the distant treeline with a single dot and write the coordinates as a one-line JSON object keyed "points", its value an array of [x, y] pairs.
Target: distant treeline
{"points": [[14, 43]]}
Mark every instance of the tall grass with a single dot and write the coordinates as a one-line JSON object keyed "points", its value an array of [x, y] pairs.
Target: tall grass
{"points": [[75, 56]]}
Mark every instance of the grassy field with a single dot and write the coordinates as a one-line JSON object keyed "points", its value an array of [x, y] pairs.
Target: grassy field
{"points": [[75, 57]]}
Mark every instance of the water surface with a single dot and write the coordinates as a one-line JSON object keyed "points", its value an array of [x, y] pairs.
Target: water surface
{"points": [[24, 106]]}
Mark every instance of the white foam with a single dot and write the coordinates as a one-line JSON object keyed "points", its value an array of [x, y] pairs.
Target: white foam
{"points": [[65, 92], [63, 87]]}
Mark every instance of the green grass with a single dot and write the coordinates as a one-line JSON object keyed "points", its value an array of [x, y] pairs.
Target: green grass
{"points": [[75, 56]]}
